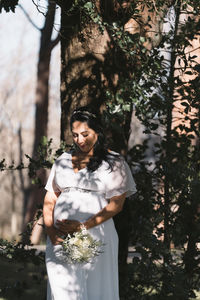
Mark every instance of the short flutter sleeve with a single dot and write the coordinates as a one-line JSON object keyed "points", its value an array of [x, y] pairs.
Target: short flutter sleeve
{"points": [[119, 180], [51, 185]]}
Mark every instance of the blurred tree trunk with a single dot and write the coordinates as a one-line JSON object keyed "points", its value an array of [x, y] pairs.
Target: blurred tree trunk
{"points": [[41, 113]]}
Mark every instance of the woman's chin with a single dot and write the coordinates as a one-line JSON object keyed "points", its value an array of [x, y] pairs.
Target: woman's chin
{"points": [[86, 150]]}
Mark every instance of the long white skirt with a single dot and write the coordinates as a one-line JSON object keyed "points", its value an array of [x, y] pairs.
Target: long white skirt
{"points": [[92, 281]]}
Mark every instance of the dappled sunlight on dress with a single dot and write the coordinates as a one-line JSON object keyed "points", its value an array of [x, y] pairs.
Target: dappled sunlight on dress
{"points": [[84, 194]]}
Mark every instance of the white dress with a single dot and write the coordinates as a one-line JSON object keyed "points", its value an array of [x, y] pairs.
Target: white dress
{"points": [[84, 194]]}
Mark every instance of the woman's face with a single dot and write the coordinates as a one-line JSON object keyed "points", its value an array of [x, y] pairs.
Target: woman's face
{"points": [[84, 137]]}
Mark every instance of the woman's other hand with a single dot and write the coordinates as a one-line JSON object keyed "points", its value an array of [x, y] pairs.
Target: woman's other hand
{"points": [[55, 236], [68, 226]]}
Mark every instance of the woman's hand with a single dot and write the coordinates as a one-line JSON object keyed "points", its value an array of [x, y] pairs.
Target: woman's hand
{"points": [[68, 226], [55, 236]]}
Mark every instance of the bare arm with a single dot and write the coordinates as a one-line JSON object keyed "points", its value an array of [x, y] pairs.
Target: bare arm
{"points": [[48, 208], [111, 209]]}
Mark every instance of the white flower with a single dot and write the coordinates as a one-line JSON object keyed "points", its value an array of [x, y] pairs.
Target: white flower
{"points": [[80, 247]]}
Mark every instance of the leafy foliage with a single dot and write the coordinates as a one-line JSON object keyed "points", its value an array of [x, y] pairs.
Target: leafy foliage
{"points": [[8, 5], [19, 253], [43, 160], [22, 252]]}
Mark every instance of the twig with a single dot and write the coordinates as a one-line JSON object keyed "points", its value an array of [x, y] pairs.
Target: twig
{"points": [[37, 6], [28, 17]]}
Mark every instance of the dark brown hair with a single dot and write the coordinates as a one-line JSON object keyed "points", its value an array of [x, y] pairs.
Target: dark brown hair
{"points": [[92, 118]]}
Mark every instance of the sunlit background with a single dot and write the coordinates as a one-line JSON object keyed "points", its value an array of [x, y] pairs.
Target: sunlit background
{"points": [[20, 42]]}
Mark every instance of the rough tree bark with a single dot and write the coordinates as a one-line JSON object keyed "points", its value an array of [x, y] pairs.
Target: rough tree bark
{"points": [[90, 60]]}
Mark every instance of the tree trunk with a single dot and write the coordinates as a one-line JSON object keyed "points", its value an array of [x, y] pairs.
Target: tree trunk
{"points": [[91, 63], [41, 113], [83, 51]]}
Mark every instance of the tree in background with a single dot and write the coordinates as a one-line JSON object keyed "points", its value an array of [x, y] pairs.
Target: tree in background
{"points": [[126, 68], [33, 196], [41, 114]]}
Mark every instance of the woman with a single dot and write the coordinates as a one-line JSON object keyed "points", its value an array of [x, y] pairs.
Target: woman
{"points": [[86, 186]]}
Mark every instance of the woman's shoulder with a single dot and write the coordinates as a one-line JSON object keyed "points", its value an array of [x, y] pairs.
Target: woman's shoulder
{"points": [[113, 160], [65, 156]]}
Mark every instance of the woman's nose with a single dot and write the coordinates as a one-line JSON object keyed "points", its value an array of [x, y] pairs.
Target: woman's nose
{"points": [[80, 139]]}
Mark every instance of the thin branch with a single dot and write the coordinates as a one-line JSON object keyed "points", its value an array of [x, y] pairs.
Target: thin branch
{"points": [[29, 18], [154, 4], [192, 50], [37, 6]]}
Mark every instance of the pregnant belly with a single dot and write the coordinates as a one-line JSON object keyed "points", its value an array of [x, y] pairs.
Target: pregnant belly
{"points": [[77, 205]]}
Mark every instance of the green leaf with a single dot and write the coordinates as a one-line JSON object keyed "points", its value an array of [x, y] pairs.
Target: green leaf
{"points": [[88, 5]]}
